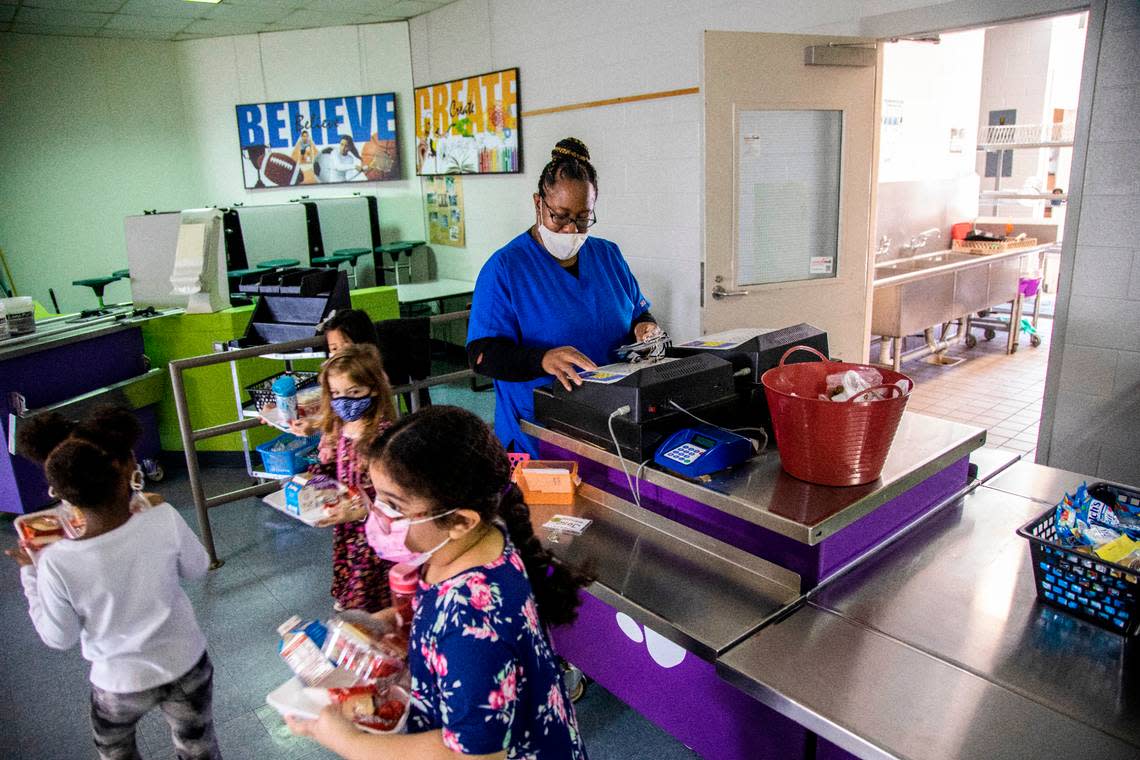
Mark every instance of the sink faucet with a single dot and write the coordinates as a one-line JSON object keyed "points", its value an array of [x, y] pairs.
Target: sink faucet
{"points": [[920, 240], [884, 247]]}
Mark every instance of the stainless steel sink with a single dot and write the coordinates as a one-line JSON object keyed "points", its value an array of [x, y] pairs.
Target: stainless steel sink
{"points": [[959, 284]]}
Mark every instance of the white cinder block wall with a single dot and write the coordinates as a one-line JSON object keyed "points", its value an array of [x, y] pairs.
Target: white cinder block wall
{"points": [[648, 154], [1092, 402]]}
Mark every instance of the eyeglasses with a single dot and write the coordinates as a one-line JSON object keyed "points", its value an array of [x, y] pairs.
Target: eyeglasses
{"points": [[561, 220], [386, 514]]}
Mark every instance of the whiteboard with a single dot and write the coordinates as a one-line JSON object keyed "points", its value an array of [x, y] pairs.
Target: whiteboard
{"points": [[274, 232]]}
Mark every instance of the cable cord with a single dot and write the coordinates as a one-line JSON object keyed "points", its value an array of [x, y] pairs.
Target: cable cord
{"points": [[762, 431], [622, 410]]}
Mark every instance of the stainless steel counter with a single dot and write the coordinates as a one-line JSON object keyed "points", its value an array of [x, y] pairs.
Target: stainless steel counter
{"points": [[60, 331], [760, 492], [936, 647], [698, 592]]}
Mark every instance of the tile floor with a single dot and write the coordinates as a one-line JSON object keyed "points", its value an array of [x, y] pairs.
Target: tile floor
{"points": [[999, 392]]}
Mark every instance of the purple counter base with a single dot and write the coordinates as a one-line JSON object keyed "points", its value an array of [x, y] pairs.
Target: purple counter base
{"points": [[56, 374], [813, 563], [675, 689]]}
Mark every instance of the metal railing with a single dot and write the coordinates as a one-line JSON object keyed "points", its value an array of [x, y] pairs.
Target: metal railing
{"points": [[191, 436]]}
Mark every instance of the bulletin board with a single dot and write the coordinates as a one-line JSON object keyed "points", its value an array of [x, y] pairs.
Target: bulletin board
{"points": [[443, 202]]}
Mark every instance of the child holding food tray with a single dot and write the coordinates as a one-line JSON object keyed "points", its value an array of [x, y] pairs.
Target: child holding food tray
{"points": [[114, 585]]}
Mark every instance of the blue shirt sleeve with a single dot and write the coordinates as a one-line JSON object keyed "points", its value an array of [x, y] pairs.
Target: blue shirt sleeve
{"points": [[479, 687], [493, 314]]}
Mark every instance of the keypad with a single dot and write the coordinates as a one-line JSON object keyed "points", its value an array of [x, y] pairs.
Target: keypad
{"points": [[686, 453]]}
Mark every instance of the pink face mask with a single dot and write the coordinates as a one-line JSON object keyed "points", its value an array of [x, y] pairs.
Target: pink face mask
{"points": [[387, 529]]}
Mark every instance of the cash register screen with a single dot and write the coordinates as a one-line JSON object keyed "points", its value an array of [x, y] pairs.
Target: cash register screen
{"points": [[704, 443]]}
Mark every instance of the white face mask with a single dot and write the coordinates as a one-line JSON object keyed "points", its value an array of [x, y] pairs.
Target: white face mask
{"points": [[561, 245]]}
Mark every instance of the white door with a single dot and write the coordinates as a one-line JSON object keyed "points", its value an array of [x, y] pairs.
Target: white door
{"points": [[791, 127]]}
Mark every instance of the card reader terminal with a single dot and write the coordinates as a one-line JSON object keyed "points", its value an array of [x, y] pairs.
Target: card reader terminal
{"points": [[702, 450]]}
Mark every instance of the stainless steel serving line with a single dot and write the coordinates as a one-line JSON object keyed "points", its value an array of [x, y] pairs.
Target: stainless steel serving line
{"points": [[761, 493], [936, 646], [694, 590], [61, 331]]}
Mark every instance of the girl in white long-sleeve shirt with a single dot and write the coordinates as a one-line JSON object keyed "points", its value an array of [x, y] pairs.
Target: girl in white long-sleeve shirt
{"points": [[116, 589]]}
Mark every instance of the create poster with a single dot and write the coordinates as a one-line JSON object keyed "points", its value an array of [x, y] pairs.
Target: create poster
{"points": [[319, 141], [469, 126], [444, 202]]}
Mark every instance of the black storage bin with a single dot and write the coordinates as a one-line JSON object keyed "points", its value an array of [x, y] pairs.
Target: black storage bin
{"points": [[292, 304]]}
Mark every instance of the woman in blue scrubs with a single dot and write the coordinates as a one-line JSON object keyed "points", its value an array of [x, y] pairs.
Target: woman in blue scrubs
{"points": [[554, 301]]}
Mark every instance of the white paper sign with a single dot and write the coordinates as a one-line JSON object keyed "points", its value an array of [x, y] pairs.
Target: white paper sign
{"points": [[567, 524], [820, 265]]}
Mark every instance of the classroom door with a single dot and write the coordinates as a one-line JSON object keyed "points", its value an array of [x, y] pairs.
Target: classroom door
{"points": [[791, 152]]}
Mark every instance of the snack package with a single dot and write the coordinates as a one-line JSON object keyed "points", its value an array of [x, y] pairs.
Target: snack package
{"points": [[378, 709], [307, 492], [301, 648], [1084, 520], [309, 401], [355, 651]]}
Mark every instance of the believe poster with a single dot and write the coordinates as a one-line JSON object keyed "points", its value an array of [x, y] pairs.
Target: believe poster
{"points": [[319, 141]]}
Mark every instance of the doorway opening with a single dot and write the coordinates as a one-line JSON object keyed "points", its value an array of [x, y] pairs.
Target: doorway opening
{"points": [[974, 157]]}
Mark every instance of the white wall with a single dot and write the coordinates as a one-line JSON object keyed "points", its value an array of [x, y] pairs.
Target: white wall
{"points": [[1091, 422], [221, 72], [93, 131], [938, 87], [1016, 75], [648, 154]]}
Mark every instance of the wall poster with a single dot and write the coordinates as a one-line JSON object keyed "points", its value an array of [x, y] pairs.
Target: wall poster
{"points": [[444, 203], [469, 126], [320, 141]]}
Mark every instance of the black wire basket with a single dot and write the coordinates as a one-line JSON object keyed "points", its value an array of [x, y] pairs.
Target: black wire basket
{"points": [[262, 391]]}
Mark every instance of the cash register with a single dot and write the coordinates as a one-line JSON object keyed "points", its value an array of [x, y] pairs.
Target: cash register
{"points": [[713, 380]]}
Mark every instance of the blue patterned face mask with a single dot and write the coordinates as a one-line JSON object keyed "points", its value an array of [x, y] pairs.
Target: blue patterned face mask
{"points": [[351, 409]]}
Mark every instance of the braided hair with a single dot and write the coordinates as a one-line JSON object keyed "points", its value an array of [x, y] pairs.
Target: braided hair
{"points": [[570, 159], [451, 459]]}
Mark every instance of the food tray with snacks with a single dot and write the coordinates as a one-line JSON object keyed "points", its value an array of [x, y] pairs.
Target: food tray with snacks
{"points": [[37, 530], [319, 501], [374, 709], [1080, 579], [985, 247]]}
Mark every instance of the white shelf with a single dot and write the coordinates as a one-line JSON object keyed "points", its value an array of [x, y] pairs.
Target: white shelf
{"points": [[1022, 136], [992, 195], [269, 475], [300, 355]]}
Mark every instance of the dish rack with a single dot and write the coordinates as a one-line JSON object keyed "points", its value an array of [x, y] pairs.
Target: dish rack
{"points": [[987, 247]]}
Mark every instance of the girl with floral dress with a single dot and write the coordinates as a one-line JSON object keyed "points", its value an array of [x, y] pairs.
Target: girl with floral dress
{"points": [[356, 404], [485, 681]]}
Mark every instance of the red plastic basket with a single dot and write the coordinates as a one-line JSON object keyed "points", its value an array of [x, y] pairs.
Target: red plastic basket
{"points": [[832, 443]]}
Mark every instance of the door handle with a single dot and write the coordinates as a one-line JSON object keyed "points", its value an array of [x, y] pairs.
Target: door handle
{"points": [[718, 292]]}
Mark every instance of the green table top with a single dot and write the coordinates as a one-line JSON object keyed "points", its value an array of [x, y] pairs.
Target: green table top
{"points": [[121, 273], [235, 273], [95, 282], [321, 260], [399, 246], [278, 263], [345, 253]]}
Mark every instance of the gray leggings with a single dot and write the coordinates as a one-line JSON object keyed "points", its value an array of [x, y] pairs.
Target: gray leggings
{"points": [[185, 702]]}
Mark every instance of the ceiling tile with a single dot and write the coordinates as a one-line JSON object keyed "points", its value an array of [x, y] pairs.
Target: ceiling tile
{"points": [[49, 17], [293, 4], [96, 6], [66, 31], [363, 7], [169, 8], [135, 34], [148, 23], [409, 8], [309, 19], [6, 13], [224, 28], [248, 13]]}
